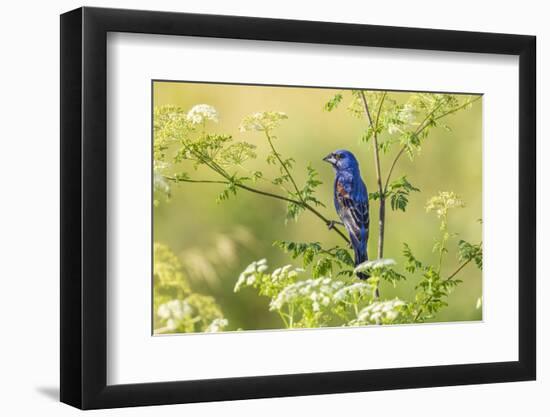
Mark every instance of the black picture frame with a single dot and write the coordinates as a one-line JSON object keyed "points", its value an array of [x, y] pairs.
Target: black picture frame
{"points": [[84, 207]]}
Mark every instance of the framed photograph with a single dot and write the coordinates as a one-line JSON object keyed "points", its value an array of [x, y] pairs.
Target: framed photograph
{"points": [[257, 207]]}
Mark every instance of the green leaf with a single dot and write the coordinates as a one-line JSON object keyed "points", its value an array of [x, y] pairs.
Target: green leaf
{"points": [[367, 135], [323, 267], [399, 201], [469, 252], [398, 193], [412, 264], [333, 102]]}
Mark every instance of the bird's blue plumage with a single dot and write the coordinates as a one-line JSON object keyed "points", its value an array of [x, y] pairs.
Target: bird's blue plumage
{"points": [[351, 201]]}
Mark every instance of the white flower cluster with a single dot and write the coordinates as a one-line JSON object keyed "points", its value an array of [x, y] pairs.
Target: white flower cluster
{"points": [[201, 113], [357, 290], [180, 312], [407, 114], [287, 271], [262, 121], [379, 311], [374, 264], [160, 165], [174, 312], [319, 292], [406, 117], [159, 182], [217, 325], [444, 201], [250, 274]]}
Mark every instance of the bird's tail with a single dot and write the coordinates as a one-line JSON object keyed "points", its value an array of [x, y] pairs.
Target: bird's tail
{"points": [[363, 275], [359, 259]]}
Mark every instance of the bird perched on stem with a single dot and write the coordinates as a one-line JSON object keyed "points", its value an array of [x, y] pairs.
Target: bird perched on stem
{"points": [[351, 201]]}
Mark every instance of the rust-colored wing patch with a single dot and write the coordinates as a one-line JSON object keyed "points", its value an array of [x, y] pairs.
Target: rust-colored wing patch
{"points": [[341, 191]]}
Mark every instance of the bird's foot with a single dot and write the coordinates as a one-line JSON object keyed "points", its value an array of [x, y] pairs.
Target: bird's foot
{"points": [[333, 223]]}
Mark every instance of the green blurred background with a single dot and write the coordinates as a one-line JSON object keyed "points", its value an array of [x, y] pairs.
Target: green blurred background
{"points": [[215, 242]]}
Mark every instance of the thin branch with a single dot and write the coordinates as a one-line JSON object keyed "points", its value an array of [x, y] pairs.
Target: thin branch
{"points": [[430, 298], [175, 179], [459, 269], [466, 104], [401, 151], [283, 165], [382, 208], [367, 111], [210, 163], [268, 194], [420, 128], [217, 168], [305, 205], [267, 180], [378, 172], [380, 109], [244, 187]]}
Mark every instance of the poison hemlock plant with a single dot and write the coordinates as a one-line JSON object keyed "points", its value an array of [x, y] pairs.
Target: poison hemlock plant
{"points": [[177, 309], [323, 290]]}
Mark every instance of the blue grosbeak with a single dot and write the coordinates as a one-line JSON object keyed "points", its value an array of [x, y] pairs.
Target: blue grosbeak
{"points": [[351, 201]]}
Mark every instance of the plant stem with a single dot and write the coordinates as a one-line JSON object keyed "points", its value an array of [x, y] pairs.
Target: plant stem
{"points": [[283, 165], [268, 194], [215, 167], [423, 125], [290, 200], [174, 179], [381, 193], [282, 315], [266, 180], [444, 240], [302, 202], [442, 250], [460, 268], [382, 210], [355, 308]]}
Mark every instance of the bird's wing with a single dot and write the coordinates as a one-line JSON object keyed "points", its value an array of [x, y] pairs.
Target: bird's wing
{"points": [[354, 212]]}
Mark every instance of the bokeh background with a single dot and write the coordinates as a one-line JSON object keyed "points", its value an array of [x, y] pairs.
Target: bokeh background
{"points": [[216, 241]]}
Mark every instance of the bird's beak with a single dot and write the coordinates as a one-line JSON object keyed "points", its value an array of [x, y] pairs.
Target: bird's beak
{"points": [[330, 159]]}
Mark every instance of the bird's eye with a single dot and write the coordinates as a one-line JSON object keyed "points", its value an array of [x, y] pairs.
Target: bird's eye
{"points": [[340, 155]]}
